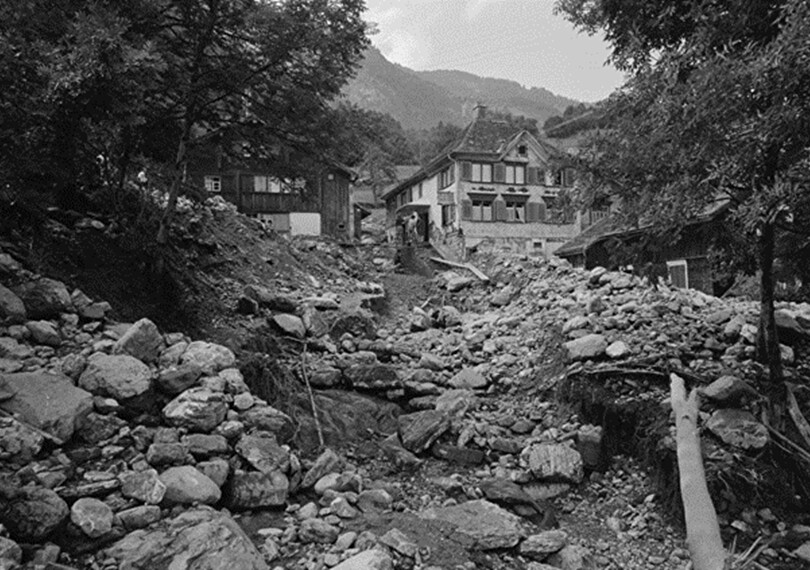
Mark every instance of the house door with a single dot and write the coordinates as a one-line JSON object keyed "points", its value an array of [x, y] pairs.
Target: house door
{"points": [[678, 273]]}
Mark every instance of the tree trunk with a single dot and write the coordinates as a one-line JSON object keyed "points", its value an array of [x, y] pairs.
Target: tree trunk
{"points": [[702, 528], [177, 180], [767, 340]]}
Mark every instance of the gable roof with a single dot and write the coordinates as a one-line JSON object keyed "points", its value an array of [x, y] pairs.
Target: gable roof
{"points": [[485, 138]]}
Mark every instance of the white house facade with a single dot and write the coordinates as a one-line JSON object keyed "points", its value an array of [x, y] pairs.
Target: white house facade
{"points": [[494, 188]]}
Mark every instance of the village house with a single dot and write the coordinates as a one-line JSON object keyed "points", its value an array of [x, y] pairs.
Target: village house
{"points": [[314, 204], [496, 187], [684, 260]]}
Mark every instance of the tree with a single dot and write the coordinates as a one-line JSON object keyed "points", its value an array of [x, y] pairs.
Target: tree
{"points": [[716, 106], [373, 143], [158, 77]]}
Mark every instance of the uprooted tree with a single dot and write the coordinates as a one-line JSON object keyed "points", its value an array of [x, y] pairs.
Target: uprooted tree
{"points": [[715, 107]]}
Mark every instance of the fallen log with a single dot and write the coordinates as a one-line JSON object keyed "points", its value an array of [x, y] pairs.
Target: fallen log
{"points": [[702, 527]]}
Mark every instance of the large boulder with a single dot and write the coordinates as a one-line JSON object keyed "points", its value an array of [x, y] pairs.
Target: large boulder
{"points": [[33, 513], [94, 517], [199, 539], [290, 324], [117, 376], [255, 490], [142, 341], [196, 409], [44, 332], [44, 298], [12, 308], [554, 462], [469, 379], [487, 525], [356, 324], [418, 431], [210, 357], [49, 402], [186, 485], [269, 419], [588, 346], [739, 428], [263, 452]]}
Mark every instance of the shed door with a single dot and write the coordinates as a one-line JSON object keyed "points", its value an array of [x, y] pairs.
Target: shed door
{"points": [[678, 273]]}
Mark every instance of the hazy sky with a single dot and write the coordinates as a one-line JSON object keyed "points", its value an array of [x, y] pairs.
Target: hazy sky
{"points": [[520, 40]]}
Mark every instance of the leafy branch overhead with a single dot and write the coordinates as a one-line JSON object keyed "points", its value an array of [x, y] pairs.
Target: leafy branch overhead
{"points": [[155, 78], [715, 107]]}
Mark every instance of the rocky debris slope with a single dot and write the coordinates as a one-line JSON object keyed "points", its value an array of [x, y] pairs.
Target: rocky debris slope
{"points": [[124, 446]]}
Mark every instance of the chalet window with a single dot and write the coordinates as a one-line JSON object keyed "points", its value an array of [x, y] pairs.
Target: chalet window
{"points": [[213, 184], [481, 172], [419, 191], [568, 177], [482, 210], [515, 210], [557, 178], [678, 273], [266, 184], [448, 214], [446, 177], [409, 196], [515, 174], [522, 150]]}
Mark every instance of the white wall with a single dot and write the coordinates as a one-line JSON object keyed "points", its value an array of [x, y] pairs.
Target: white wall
{"points": [[305, 224]]}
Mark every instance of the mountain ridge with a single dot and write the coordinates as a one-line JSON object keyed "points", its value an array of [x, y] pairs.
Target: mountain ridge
{"points": [[422, 99]]}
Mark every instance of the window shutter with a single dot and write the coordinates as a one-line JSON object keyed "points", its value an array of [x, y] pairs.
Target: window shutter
{"points": [[534, 175], [568, 177], [499, 207], [532, 212], [499, 173], [466, 170], [466, 209]]}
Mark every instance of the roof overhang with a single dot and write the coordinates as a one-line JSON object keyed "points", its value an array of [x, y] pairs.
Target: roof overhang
{"points": [[409, 208]]}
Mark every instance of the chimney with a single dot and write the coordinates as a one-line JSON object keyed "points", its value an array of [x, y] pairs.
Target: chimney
{"points": [[480, 111]]}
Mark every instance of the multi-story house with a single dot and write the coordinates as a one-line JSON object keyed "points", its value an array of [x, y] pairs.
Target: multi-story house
{"points": [[496, 187]]}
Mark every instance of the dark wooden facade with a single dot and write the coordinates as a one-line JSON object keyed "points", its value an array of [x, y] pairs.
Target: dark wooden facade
{"points": [[324, 191], [685, 261]]}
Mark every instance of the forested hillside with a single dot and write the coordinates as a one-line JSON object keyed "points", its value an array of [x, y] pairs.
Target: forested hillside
{"points": [[421, 99]]}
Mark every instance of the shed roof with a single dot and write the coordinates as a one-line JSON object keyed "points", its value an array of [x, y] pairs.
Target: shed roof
{"points": [[612, 226]]}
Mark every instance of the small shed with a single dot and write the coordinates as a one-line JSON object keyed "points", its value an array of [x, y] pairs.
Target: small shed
{"points": [[685, 261]]}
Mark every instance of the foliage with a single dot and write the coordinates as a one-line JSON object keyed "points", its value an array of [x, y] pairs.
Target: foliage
{"points": [[716, 107], [97, 85], [371, 142]]}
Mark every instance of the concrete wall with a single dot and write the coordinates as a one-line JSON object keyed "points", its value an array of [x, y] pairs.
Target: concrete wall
{"points": [[305, 224]]}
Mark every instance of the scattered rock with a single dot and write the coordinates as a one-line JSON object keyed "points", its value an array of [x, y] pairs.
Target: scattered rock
{"points": [[589, 346], [554, 462], [142, 341], [47, 401], [44, 298], [487, 525], [198, 539], [116, 376], [185, 485], [419, 430], [33, 513], [93, 517], [738, 427]]}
